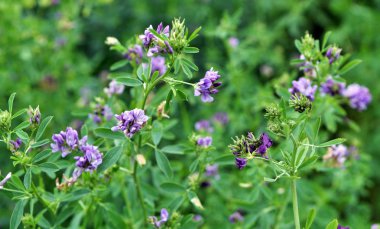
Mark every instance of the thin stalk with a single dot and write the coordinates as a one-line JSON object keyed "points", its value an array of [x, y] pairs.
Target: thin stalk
{"points": [[138, 190], [295, 205]]}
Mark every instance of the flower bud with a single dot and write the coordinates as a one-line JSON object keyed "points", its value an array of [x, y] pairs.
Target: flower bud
{"points": [[300, 103], [177, 35], [111, 41], [5, 121], [34, 116], [273, 111]]}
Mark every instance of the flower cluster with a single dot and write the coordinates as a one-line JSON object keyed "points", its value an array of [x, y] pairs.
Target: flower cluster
{"points": [[246, 146], [303, 86], [358, 96], [341, 227], [114, 88], [307, 67], [221, 118], [337, 155], [204, 126], [15, 145], [207, 86], [333, 53], [34, 115], [130, 122], [154, 44], [332, 87], [158, 64], [67, 141], [212, 171], [135, 54], [101, 112], [204, 141], [164, 218], [236, 217]]}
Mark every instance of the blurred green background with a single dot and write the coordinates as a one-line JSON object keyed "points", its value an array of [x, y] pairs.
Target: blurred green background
{"points": [[52, 53]]}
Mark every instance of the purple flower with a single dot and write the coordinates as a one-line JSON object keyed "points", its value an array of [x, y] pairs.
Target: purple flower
{"points": [[114, 88], [341, 227], [153, 43], [130, 122], [197, 218], [147, 37], [6, 178], [240, 162], [375, 226], [100, 112], [233, 41], [236, 217], [303, 86], [307, 67], [34, 115], [332, 87], [65, 141], [158, 64], [212, 171], [337, 154], [221, 118], [266, 143], [207, 86], [333, 54], [164, 218], [204, 141], [15, 145], [90, 160], [135, 53], [204, 125], [359, 96]]}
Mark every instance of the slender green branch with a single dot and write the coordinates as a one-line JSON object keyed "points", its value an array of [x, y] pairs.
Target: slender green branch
{"points": [[295, 205]]}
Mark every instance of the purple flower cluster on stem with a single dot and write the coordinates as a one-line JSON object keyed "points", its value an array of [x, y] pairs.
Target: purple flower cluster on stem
{"points": [[207, 86], [359, 96], [130, 122], [303, 86], [332, 87], [101, 111], [65, 142], [135, 54], [114, 88], [204, 125], [153, 43], [236, 217], [204, 141], [15, 145], [164, 218]]}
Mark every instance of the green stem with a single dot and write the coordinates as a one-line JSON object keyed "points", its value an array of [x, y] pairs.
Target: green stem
{"points": [[179, 81], [138, 190], [295, 205]]}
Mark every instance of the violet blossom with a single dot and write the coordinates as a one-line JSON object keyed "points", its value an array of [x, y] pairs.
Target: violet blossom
{"points": [[204, 125], [359, 96], [221, 118], [164, 218], [236, 217], [65, 142], [130, 122], [207, 86], [204, 141], [135, 54], [240, 162], [303, 86], [114, 88], [332, 87], [15, 145]]}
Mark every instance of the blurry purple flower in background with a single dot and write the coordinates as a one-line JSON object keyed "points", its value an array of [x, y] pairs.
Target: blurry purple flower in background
{"points": [[130, 122], [233, 42], [65, 141], [158, 64], [240, 162], [332, 87], [15, 145], [303, 86], [337, 155], [212, 171], [114, 88], [341, 227], [359, 96], [100, 112], [221, 118], [207, 86], [204, 141], [135, 54], [204, 125], [236, 217], [307, 67], [4, 181], [164, 218], [375, 226], [197, 218]]}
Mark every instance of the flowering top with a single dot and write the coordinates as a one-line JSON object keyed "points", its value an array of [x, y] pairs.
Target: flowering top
{"points": [[158, 64], [153, 43], [164, 218], [6, 178], [333, 54], [114, 88], [204, 125], [331, 87], [135, 54], [303, 86], [359, 96], [337, 155], [130, 122], [65, 141], [15, 145], [204, 141], [207, 86], [34, 115], [90, 160]]}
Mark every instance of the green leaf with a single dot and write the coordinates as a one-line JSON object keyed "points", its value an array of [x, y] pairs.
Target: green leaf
{"points": [[194, 165], [301, 152], [349, 66], [173, 149], [333, 224], [189, 64], [23, 135], [181, 95], [157, 132], [115, 75], [17, 214], [42, 155], [172, 187], [84, 130], [332, 142], [169, 97], [163, 164], [18, 113], [177, 65], [309, 161], [325, 39], [186, 70], [22, 125], [40, 143], [310, 219], [191, 50], [49, 167], [194, 199], [108, 133], [194, 34], [298, 45], [111, 157], [42, 127], [129, 81], [118, 65], [10, 102], [16, 182], [28, 178]]}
